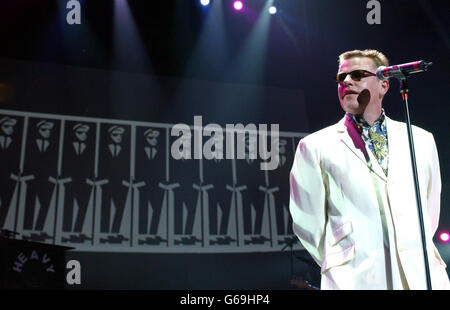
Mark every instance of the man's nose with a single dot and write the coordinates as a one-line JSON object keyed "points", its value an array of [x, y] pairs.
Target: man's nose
{"points": [[348, 80]]}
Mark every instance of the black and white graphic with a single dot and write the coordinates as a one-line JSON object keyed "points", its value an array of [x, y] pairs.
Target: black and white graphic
{"points": [[115, 188], [188, 200], [250, 195], [11, 131], [78, 181], [42, 160], [220, 209], [279, 198], [111, 185], [151, 198]]}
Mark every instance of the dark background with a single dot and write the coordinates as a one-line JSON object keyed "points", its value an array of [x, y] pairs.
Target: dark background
{"points": [[173, 40]]}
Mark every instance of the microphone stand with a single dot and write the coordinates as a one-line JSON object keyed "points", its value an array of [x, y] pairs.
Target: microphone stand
{"points": [[290, 243], [404, 91]]}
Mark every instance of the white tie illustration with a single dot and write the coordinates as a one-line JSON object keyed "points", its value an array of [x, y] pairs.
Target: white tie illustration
{"points": [[42, 145], [151, 152], [5, 142], [79, 147], [114, 149]]}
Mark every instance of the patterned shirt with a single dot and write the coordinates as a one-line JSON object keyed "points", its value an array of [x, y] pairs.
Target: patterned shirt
{"points": [[375, 137]]}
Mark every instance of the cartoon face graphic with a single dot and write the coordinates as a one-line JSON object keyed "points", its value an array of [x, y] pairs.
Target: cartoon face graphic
{"points": [[151, 136], [282, 146], [81, 131], [282, 143], [251, 145], [185, 147], [116, 133], [7, 125], [45, 129], [218, 145]]}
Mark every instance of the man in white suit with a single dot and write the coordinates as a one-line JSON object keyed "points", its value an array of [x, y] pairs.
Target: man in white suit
{"points": [[352, 195]]}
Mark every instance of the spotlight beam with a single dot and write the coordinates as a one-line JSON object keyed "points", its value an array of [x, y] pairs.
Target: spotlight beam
{"points": [[250, 63]]}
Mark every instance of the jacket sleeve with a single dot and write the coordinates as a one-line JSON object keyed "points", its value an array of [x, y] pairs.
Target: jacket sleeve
{"points": [[307, 203], [434, 187]]}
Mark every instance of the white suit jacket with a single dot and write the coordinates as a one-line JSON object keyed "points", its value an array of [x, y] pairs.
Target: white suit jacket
{"points": [[360, 226]]}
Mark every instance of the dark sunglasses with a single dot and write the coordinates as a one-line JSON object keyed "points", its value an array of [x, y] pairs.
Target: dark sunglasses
{"points": [[356, 75]]}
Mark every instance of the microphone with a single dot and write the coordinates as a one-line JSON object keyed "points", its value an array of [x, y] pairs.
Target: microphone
{"points": [[403, 70]]}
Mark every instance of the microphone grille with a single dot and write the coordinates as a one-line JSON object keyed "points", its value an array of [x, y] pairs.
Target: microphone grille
{"points": [[380, 73]]}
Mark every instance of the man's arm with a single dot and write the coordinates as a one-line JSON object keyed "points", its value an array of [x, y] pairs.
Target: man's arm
{"points": [[307, 200]]}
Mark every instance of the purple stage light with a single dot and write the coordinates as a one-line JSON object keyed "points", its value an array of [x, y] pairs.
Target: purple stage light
{"points": [[445, 237], [238, 5]]}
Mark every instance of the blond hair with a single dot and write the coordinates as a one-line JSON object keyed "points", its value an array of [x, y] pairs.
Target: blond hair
{"points": [[377, 57]]}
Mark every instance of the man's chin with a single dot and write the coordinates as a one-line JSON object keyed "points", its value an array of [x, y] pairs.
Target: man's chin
{"points": [[351, 107]]}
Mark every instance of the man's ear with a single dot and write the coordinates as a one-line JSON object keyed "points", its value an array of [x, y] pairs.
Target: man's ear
{"points": [[384, 86]]}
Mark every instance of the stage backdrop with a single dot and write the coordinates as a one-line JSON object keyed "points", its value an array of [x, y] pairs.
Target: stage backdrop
{"points": [[113, 185]]}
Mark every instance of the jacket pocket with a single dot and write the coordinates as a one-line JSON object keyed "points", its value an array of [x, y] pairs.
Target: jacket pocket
{"points": [[338, 258], [341, 232], [341, 249]]}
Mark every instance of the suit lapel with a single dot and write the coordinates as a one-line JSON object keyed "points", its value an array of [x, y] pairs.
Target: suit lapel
{"points": [[350, 136], [398, 149]]}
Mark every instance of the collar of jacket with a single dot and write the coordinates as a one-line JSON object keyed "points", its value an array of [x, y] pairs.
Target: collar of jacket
{"points": [[350, 136]]}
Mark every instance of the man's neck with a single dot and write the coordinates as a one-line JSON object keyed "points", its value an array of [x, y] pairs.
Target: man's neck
{"points": [[370, 115]]}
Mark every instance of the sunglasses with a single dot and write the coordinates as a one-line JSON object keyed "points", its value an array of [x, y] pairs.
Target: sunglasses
{"points": [[356, 75]]}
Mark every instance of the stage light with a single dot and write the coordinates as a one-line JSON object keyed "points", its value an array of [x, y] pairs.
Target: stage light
{"points": [[273, 10], [445, 237], [238, 5], [204, 2]]}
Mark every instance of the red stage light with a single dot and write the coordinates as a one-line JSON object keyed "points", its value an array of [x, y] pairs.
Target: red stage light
{"points": [[445, 237]]}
